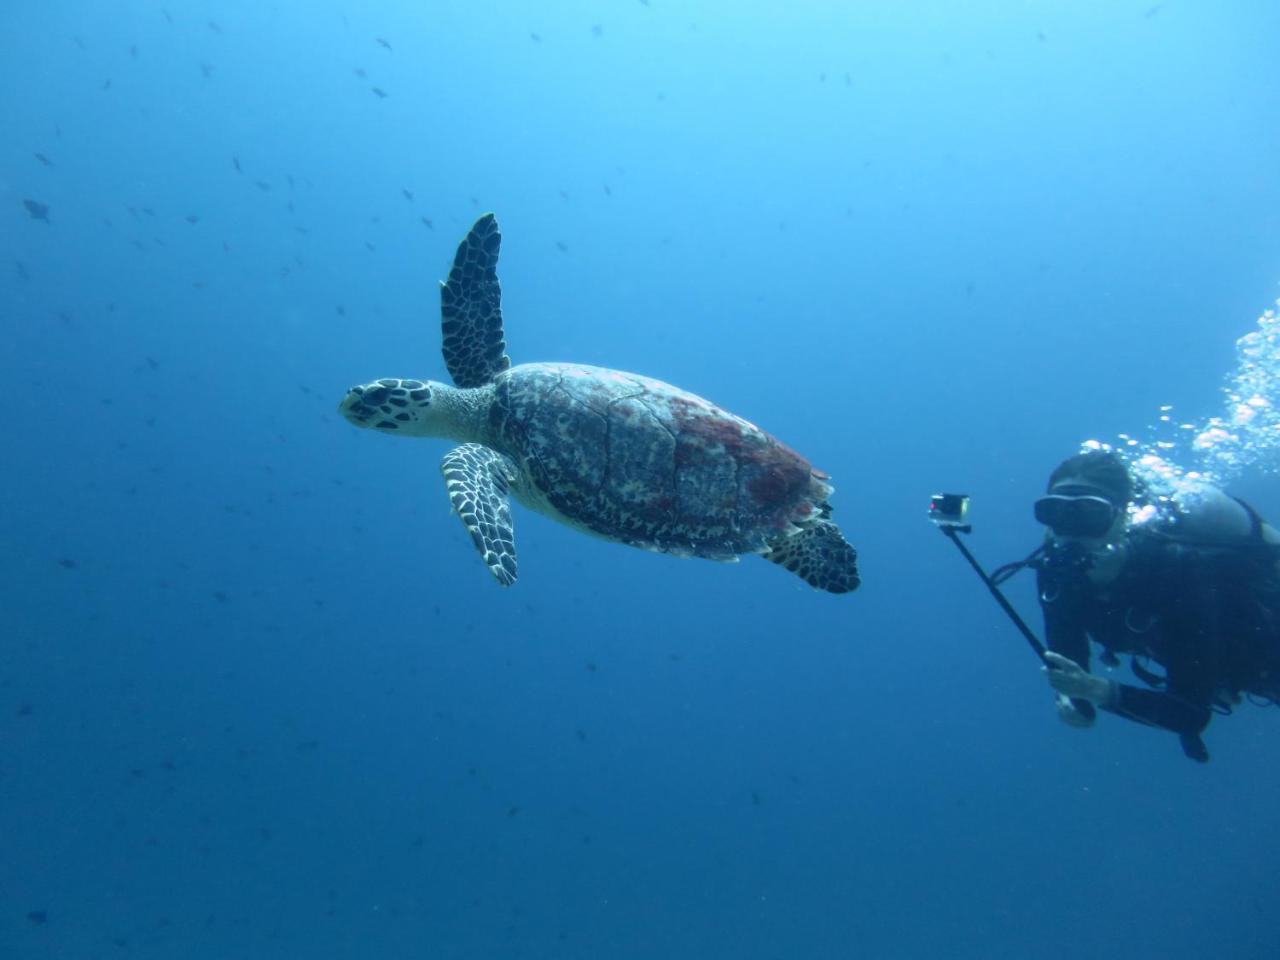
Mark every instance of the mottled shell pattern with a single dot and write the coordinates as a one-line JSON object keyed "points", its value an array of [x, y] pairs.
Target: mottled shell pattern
{"points": [[639, 461]]}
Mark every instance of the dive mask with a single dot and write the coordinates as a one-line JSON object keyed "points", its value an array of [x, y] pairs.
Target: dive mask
{"points": [[1076, 515]]}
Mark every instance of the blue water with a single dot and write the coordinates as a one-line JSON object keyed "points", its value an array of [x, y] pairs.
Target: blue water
{"points": [[259, 697]]}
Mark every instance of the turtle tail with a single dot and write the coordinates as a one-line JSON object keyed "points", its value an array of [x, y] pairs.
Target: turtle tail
{"points": [[820, 555]]}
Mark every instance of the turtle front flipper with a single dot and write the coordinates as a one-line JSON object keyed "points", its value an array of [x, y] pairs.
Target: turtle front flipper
{"points": [[471, 308], [478, 480], [819, 555]]}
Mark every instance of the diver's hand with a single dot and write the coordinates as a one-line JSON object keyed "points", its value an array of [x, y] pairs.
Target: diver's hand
{"points": [[1069, 714], [1071, 680]]}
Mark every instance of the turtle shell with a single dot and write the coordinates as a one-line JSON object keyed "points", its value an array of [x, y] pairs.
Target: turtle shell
{"points": [[642, 462]]}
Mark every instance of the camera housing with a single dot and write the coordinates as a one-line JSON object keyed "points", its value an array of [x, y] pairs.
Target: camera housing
{"points": [[950, 510]]}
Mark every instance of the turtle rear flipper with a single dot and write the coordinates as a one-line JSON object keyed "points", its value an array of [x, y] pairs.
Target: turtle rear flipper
{"points": [[478, 480], [819, 555], [471, 308]]}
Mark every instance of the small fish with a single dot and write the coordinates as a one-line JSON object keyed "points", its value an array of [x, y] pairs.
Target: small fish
{"points": [[206, 69], [192, 219], [235, 162], [562, 246], [426, 222], [382, 43], [597, 30], [214, 26], [379, 93], [66, 563], [536, 38], [133, 51], [168, 17], [45, 160], [408, 194], [361, 72], [262, 185], [38, 211], [106, 84]]}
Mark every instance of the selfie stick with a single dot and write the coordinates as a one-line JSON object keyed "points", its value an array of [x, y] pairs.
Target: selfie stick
{"points": [[953, 531]]}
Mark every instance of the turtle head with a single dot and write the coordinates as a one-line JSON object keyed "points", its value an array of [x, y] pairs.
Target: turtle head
{"points": [[397, 406]]}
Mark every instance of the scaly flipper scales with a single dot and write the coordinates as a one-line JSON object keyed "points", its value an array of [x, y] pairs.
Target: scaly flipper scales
{"points": [[478, 479], [821, 556], [471, 308]]}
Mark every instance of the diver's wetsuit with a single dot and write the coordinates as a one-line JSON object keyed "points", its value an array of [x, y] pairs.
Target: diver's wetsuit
{"points": [[1202, 613]]}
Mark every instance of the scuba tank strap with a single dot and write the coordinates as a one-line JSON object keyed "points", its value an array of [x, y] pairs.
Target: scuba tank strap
{"points": [[1256, 522]]}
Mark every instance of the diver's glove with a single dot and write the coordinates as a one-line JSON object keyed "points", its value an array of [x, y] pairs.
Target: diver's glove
{"points": [[1073, 682]]}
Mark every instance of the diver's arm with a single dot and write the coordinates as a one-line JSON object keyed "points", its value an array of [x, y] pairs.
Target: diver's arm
{"points": [[1158, 709], [1183, 707], [1179, 714]]}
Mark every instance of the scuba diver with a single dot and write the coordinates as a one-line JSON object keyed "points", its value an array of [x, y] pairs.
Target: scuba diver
{"points": [[1191, 585]]}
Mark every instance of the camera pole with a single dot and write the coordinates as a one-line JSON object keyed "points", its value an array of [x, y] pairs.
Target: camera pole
{"points": [[953, 531]]}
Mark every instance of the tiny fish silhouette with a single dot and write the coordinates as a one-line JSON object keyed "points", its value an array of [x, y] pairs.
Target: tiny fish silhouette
{"points": [[235, 162], [383, 43], [379, 93], [45, 160], [38, 211], [408, 194]]}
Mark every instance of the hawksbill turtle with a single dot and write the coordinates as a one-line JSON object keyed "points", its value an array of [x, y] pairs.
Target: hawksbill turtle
{"points": [[614, 454]]}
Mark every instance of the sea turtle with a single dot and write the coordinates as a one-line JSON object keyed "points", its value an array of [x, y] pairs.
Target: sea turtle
{"points": [[613, 454]]}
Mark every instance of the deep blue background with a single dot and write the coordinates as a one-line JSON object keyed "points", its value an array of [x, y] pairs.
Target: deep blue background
{"points": [[258, 696]]}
